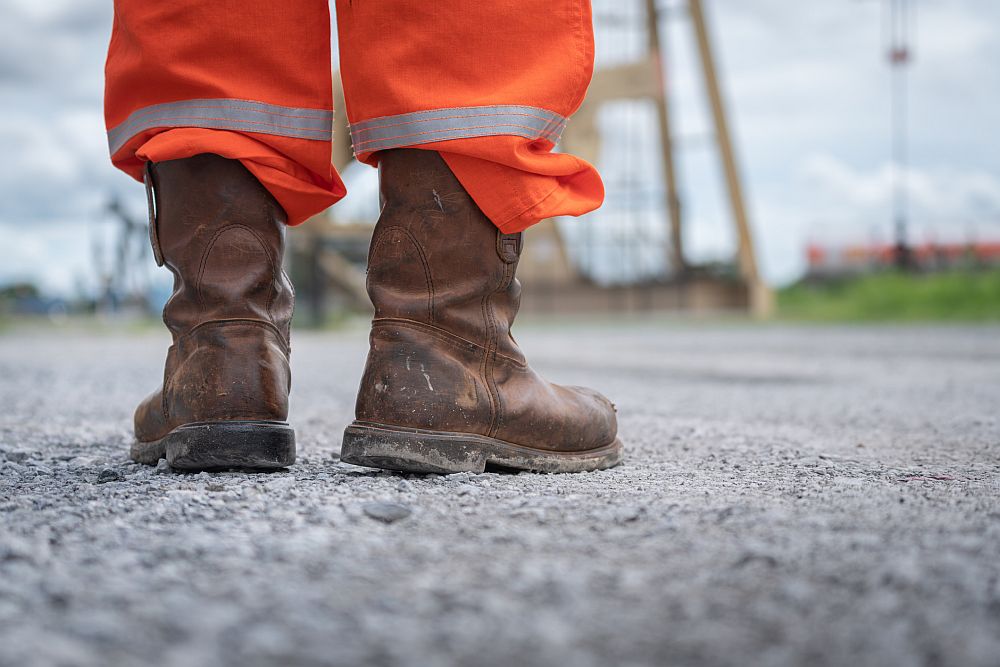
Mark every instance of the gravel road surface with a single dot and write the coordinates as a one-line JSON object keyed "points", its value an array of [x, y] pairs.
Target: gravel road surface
{"points": [[791, 496]]}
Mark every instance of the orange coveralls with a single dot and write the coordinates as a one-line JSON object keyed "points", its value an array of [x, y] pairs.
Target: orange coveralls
{"points": [[489, 84]]}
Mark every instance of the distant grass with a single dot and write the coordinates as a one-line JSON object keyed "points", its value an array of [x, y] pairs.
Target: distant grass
{"points": [[958, 296]]}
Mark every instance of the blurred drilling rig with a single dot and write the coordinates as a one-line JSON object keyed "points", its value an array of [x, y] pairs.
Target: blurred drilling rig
{"points": [[119, 246], [629, 255]]}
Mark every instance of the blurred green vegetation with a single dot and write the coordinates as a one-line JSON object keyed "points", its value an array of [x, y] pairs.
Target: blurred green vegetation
{"points": [[895, 296]]}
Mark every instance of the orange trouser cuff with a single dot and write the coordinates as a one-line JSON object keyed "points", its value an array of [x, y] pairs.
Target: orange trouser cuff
{"points": [[250, 80], [516, 194], [300, 192]]}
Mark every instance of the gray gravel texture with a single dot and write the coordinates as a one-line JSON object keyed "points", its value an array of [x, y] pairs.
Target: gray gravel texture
{"points": [[791, 496]]}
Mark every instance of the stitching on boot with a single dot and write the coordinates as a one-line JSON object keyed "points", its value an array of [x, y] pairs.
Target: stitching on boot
{"points": [[444, 333], [508, 275], [166, 382], [484, 366], [264, 324], [276, 275], [379, 242], [444, 336], [509, 247], [493, 336], [208, 251]]}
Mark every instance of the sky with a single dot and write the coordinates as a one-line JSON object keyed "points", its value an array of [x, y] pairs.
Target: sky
{"points": [[806, 85]]}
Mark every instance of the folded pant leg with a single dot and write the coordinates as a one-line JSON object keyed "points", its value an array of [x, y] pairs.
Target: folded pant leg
{"points": [[488, 84], [245, 79]]}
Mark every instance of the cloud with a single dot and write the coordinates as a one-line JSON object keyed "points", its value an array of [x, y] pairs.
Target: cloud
{"points": [[942, 199], [54, 42], [65, 252], [55, 168]]}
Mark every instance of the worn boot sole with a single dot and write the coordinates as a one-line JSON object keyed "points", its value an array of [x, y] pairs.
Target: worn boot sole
{"points": [[244, 445], [442, 452]]}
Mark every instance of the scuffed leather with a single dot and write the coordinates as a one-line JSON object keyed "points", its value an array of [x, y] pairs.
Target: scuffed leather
{"points": [[222, 236], [441, 278]]}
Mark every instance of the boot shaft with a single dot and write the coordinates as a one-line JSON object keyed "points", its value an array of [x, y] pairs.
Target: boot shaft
{"points": [[436, 258], [221, 234]]}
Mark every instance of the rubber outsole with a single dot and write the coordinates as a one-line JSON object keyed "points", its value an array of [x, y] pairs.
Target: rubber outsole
{"points": [[441, 452], [244, 445]]}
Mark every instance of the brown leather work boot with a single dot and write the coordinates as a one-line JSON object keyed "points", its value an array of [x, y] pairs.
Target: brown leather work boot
{"points": [[446, 388], [224, 398]]}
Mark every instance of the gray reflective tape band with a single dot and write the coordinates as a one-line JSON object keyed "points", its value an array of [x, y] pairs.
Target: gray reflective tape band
{"points": [[422, 127], [226, 114]]}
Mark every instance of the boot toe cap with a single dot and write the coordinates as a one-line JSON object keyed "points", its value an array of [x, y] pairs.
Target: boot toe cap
{"points": [[599, 415], [149, 421]]}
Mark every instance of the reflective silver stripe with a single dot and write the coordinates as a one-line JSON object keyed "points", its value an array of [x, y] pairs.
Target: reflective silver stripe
{"points": [[422, 127], [226, 114]]}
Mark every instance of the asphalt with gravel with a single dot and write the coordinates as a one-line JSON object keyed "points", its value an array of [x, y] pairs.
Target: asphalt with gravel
{"points": [[792, 495]]}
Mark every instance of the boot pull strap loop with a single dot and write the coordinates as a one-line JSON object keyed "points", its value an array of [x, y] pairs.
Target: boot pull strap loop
{"points": [[154, 238], [509, 247]]}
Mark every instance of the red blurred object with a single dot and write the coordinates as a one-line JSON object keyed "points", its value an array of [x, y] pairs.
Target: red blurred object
{"points": [[852, 259]]}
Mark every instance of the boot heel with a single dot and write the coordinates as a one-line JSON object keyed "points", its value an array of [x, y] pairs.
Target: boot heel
{"points": [[250, 445], [410, 450]]}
